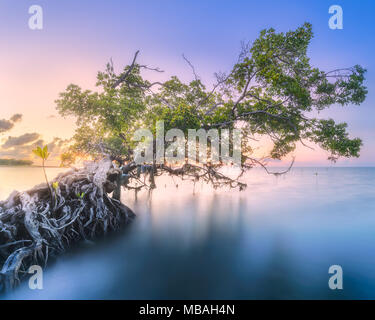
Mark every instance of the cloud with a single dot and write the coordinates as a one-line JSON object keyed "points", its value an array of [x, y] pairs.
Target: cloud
{"points": [[58, 146], [20, 152], [21, 148], [16, 118], [21, 140], [23, 152], [6, 125]]}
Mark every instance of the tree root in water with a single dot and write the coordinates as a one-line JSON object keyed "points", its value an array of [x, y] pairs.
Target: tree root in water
{"points": [[34, 227]]}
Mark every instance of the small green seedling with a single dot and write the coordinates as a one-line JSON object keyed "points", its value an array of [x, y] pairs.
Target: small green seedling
{"points": [[80, 195], [44, 154]]}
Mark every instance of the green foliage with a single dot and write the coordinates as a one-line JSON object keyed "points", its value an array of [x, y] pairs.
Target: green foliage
{"points": [[183, 117], [42, 152], [333, 137], [271, 90], [80, 195], [67, 158]]}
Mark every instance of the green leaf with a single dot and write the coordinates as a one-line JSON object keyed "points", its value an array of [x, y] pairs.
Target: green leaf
{"points": [[45, 153], [38, 152], [41, 153]]}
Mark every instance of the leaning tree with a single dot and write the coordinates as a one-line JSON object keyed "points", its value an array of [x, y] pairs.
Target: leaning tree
{"points": [[271, 91]]}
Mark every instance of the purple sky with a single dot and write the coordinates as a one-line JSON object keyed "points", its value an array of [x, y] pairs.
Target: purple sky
{"points": [[80, 36]]}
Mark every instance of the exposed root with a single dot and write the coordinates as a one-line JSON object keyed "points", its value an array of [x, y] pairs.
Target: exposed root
{"points": [[32, 228]]}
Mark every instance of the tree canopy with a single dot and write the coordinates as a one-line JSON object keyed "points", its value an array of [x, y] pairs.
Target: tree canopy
{"points": [[271, 91]]}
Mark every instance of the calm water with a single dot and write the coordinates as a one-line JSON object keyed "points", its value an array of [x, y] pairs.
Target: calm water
{"points": [[276, 239]]}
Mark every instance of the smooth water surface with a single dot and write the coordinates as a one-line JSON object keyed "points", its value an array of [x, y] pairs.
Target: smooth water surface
{"points": [[277, 239]]}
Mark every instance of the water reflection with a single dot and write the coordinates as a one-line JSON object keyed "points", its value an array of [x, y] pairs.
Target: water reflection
{"points": [[275, 240]]}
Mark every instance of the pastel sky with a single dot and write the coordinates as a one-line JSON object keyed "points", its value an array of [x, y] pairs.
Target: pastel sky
{"points": [[80, 36]]}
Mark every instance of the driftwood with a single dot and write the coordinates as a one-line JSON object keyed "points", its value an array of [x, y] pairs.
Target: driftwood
{"points": [[34, 227]]}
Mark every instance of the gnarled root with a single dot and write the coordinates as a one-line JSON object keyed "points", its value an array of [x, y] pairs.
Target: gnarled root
{"points": [[33, 226]]}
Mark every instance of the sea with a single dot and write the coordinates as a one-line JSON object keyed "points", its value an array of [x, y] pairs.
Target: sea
{"points": [[280, 238]]}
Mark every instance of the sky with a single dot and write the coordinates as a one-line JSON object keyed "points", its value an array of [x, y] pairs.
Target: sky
{"points": [[80, 36]]}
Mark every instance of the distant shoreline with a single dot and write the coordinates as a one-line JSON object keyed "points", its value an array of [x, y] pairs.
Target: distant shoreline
{"points": [[269, 167], [31, 166]]}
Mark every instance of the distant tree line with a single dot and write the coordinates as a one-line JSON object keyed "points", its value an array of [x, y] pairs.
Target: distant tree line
{"points": [[14, 162]]}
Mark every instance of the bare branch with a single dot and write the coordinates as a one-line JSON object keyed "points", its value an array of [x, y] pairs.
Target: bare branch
{"points": [[191, 66], [126, 74]]}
